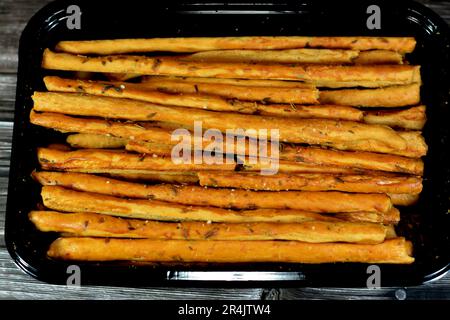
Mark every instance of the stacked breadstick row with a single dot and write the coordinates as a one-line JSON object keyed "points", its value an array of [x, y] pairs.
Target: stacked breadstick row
{"points": [[349, 118]]}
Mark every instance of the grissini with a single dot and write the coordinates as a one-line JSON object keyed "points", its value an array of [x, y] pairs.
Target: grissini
{"points": [[310, 158], [226, 198], [405, 199], [98, 225], [304, 55], [61, 199], [320, 75], [394, 96], [343, 134], [64, 123], [379, 57], [391, 217], [176, 177], [94, 141], [194, 44], [109, 159], [141, 93], [396, 250], [313, 182], [196, 99], [361, 160], [154, 80], [316, 56], [413, 118]]}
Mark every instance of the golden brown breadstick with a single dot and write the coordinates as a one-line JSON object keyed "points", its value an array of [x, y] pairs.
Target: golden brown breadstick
{"points": [[406, 199], [323, 56], [322, 75], [327, 202], [141, 93], [390, 217], [194, 44], [153, 80], [184, 177], [395, 96], [313, 182], [316, 111], [252, 164], [379, 57], [342, 134], [98, 225], [64, 123], [231, 91], [95, 141], [396, 250], [413, 118], [61, 199], [108, 159], [361, 160]]}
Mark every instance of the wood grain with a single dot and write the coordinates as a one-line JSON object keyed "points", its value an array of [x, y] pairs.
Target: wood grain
{"points": [[14, 284]]}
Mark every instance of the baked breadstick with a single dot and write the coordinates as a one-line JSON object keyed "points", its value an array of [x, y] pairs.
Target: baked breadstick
{"points": [[360, 160], [154, 80], [230, 91], [327, 202], [343, 134], [413, 118], [141, 93], [252, 164], [406, 199], [97, 225], [322, 75], [95, 141], [313, 112], [194, 44], [310, 56], [379, 57], [61, 199], [395, 96], [108, 159], [313, 182], [396, 250], [64, 123], [390, 217]]}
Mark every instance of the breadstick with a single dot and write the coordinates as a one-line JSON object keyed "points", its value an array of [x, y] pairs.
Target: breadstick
{"points": [[406, 199], [95, 141], [360, 75], [379, 57], [61, 199], [323, 56], [343, 134], [154, 80], [396, 250], [413, 118], [194, 44], [230, 91], [98, 225], [361, 160], [141, 93], [107, 159], [388, 218], [313, 182], [327, 202], [395, 96], [64, 123]]}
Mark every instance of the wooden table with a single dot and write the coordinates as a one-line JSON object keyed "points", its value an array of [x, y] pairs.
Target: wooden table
{"points": [[14, 284]]}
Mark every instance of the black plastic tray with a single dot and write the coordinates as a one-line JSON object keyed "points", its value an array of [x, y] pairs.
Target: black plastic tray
{"points": [[427, 224]]}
